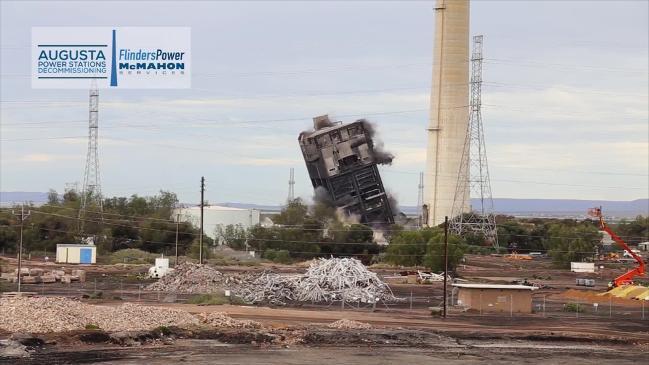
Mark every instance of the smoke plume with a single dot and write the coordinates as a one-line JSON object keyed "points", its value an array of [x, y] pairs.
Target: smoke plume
{"points": [[381, 156]]}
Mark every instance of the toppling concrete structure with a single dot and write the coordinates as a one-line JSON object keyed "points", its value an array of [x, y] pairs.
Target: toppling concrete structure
{"points": [[342, 163]]}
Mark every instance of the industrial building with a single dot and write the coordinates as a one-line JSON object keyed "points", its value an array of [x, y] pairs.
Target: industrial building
{"points": [[449, 112], [496, 298], [341, 159], [76, 254], [214, 216]]}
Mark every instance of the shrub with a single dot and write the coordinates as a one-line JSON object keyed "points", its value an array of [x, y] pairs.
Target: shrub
{"points": [[132, 256], [96, 295], [213, 299], [162, 330], [91, 326], [573, 307], [278, 256]]}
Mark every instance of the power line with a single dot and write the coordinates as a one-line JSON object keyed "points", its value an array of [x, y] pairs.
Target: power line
{"points": [[298, 229]]}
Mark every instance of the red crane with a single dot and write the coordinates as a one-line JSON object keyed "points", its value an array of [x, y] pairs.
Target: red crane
{"points": [[627, 277]]}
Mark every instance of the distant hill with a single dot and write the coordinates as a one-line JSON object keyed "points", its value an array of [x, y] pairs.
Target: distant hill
{"points": [[528, 207], [14, 197], [518, 207]]}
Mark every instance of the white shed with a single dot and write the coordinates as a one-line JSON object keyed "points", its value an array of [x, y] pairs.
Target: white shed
{"points": [[76, 254], [643, 246]]}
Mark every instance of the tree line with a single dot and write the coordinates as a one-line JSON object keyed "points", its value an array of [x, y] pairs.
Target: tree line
{"points": [[299, 232]]}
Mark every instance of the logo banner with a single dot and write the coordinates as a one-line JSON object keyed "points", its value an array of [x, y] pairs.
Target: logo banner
{"points": [[114, 57]]}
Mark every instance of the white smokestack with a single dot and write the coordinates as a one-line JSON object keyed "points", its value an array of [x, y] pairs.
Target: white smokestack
{"points": [[448, 107]]}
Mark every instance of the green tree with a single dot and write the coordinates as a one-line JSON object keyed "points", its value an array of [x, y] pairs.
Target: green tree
{"points": [[635, 231], [233, 236], [569, 242], [434, 258], [293, 214], [53, 197], [408, 248]]}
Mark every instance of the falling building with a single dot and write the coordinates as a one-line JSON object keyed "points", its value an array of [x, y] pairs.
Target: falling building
{"points": [[448, 109], [342, 163]]}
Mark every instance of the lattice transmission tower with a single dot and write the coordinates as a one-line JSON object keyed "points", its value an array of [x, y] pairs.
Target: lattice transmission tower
{"points": [[291, 185], [473, 175], [91, 191]]}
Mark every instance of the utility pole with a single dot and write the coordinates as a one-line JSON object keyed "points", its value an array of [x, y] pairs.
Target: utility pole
{"points": [[291, 185], [22, 216], [445, 259], [200, 239], [420, 200], [177, 224]]}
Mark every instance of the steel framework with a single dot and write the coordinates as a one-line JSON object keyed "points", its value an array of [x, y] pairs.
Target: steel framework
{"points": [[91, 191], [473, 175]]}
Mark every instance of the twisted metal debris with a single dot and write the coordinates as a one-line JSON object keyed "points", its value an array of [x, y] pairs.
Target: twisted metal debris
{"points": [[326, 280]]}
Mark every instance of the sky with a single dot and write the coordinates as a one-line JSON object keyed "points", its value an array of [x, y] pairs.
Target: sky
{"points": [[565, 104]]}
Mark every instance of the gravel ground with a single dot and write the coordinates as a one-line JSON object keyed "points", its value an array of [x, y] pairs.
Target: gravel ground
{"points": [[55, 314]]}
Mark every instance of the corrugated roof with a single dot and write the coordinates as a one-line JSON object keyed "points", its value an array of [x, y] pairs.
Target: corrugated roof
{"points": [[495, 286]]}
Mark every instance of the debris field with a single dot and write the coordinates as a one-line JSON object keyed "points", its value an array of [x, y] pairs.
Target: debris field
{"points": [[326, 280]]}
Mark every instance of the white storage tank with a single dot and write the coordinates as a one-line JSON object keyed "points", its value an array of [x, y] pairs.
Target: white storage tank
{"points": [[76, 254], [215, 215]]}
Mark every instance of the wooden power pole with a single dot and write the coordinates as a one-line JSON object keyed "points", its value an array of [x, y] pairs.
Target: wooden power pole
{"points": [[177, 224], [445, 260], [22, 216], [200, 239]]}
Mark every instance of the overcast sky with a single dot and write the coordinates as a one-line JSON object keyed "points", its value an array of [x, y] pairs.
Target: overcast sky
{"points": [[565, 97]]}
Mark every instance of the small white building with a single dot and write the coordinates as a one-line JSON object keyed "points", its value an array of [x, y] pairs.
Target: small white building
{"points": [[643, 246], [582, 266], [214, 216], [76, 254]]}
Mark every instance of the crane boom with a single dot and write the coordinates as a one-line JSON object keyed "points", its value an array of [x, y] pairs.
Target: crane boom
{"points": [[626, 278]]}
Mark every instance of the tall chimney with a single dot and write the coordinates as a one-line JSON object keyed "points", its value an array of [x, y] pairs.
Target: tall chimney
{"points": [[449, 107]]}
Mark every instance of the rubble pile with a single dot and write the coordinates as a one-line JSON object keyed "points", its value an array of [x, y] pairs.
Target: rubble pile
{"points": [[56, 314], [219, 319], [344, 324], [266, 287], [190, 278], [326, 280], [346, 279], [37, 276]]}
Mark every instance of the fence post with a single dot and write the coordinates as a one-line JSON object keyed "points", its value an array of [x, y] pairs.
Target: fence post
{"points": [[342, 301], [577, 311], [452, 296], [643, 309], [411, 300], [511, 305], [610, 306], [480, 303], [139, 287], [544, 306]]}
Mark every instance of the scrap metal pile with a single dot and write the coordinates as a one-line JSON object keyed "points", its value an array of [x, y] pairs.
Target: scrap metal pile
{"points": [[266, 287], [326, 280]]}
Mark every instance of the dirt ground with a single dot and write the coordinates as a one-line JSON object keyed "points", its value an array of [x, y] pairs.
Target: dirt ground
{"points": [[405, 332], [213, 352]]}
